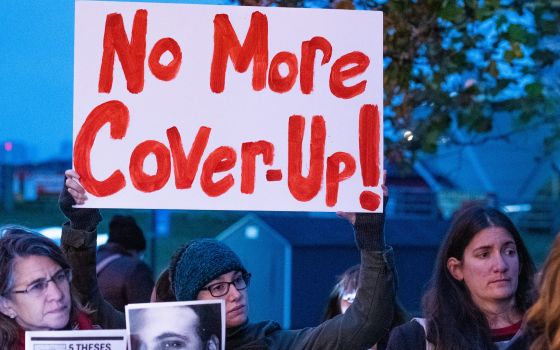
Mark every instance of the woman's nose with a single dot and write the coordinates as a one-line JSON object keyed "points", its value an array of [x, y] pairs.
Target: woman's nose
{"points": [[500, 263], [54, 291], [233, 293]]}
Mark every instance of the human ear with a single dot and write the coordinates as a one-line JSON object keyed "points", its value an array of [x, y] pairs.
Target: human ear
{"points": [[454, 267], [213, 343], [6, 308]]}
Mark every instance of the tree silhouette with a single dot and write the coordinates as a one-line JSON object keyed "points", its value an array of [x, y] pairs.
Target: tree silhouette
{"points": [[452, 64]]}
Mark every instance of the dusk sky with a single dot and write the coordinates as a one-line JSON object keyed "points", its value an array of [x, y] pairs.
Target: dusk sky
{"points": [[36, 74]]}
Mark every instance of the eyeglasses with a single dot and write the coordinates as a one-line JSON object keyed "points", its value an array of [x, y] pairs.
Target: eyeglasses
{"points": [[349, 297], [222, 288], [39, 287]]}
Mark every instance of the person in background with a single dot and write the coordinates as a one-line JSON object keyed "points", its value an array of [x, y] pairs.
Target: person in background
{"points": [[162, 289], [479, 291], [206, 269], [123, 277], [543, 318], [343, 294], [35, 289]]}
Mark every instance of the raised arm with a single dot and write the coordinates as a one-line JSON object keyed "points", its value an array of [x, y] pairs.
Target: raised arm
{"points": [[79, 243], [369, 318]]}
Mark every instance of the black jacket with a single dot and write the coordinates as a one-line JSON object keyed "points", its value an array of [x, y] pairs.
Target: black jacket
{"points": [[125, 280]]}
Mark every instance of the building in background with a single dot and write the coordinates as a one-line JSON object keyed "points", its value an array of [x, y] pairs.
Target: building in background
{"points": [[295, 259]]}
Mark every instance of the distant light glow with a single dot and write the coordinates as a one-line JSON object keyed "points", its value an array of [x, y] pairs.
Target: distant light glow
{"points": [[517, 208], [470, 82], [51, 232], [55, 233], [408, 135], [252, 232], [8, 146], [444, 139]]}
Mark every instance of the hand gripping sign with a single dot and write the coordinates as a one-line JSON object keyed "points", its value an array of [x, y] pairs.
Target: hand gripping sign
{"points": [[223, 107]]}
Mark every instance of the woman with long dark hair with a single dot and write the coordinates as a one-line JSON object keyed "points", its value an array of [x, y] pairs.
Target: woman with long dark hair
{"points": [[480, 287]]}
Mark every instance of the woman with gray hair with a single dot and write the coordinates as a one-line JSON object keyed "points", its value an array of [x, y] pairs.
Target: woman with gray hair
{"points": [[35, 288]]}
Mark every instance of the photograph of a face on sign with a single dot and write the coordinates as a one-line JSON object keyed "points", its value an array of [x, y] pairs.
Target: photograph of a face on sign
{"points": [[188, 325]]}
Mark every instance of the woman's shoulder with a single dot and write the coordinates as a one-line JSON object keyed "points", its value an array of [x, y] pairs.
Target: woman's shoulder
{"points": [[412, 327], [409, 335], [521, 341]]}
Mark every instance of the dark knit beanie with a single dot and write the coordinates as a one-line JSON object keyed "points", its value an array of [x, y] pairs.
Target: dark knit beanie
{"points": [[124, 231], [200, 262]]}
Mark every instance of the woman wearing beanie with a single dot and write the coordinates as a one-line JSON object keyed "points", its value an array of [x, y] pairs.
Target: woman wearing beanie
{"points": [[207, 269]]}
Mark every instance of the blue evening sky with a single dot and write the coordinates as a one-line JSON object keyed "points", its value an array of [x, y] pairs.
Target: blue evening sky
{"points": [[36, 54], [36, 75]]}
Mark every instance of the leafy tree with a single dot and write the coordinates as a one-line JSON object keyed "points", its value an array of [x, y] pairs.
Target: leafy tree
{"points": [[459, 64]]}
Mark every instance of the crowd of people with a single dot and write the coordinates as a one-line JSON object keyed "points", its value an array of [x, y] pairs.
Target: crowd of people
{"points": [[484, 292]]}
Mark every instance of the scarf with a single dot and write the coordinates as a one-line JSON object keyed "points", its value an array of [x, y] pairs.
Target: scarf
{"points": [[83, 322]]}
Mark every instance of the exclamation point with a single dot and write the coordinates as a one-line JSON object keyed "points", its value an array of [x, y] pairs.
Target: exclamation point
{"points": [[369, 154]]}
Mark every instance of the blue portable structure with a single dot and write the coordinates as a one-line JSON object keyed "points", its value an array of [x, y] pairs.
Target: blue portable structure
{"points": [[295, 260]]}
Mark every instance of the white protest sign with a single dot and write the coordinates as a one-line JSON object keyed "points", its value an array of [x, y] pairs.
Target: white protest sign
{"points": [[114, 339], [181, 106], [176, 325]]}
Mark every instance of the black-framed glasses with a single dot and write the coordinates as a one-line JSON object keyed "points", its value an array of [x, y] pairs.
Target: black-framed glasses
{"points": [[220, 289], [39, 287]]}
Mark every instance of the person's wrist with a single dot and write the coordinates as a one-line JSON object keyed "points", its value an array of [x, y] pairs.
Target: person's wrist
{"points": [[369, 231], [369, 228], [80, 218], [85, 219]]}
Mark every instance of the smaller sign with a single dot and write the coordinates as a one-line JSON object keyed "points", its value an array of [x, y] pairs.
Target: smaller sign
{"points": [[176, 325], [113, 339]]}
